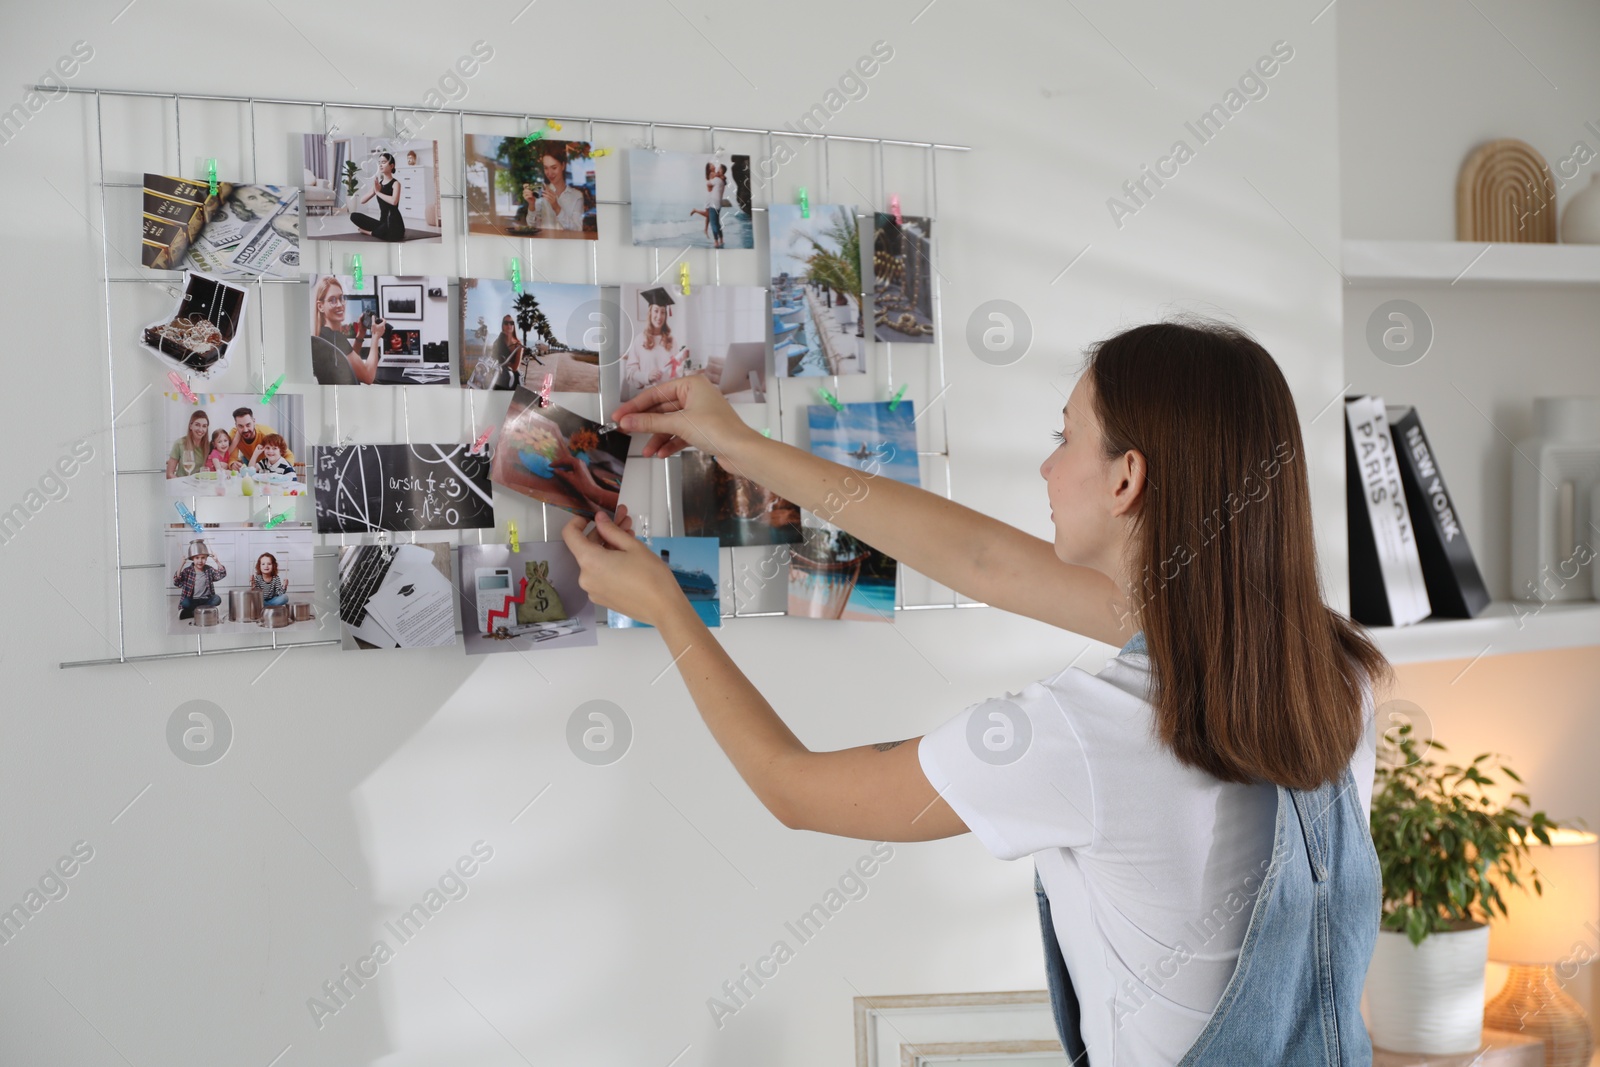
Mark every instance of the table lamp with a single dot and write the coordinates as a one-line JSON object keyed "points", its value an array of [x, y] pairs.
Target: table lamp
{"points": [[1541, 931]]}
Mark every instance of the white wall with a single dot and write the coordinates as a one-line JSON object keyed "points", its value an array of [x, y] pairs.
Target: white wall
{"points": [[613, 908]]}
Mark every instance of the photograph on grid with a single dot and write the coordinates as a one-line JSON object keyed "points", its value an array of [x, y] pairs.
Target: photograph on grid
{"points": [[239, 577], [902, 278], [244, 231], [364, 488], [871, 437], [558, 457], [231, 444], [364, 189], [833, 575], [394, 330], [690, 199], [511, 339], [733, 509], [816, 288], [656, 332], [522, 601], [539, 188], [728, 339], [396, 596], [194, 340], [696, 564]]}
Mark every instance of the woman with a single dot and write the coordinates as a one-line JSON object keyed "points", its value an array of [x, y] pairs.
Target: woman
{"points": [[273, 586], [188, 455], [716, 182], [388, 226], [653, 356], [335, 358], [1196, 811]]}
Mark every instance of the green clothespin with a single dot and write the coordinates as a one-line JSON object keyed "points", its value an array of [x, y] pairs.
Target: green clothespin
{"points": [[266, 397], [766, 431], [898, 393], [805, 204], [532, 137], [356, 267], [831, 399], [279, 517], [516, 274], [211, 174]]}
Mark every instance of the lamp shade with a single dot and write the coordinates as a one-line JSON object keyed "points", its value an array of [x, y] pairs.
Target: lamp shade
{"points": [[1564, 921]]}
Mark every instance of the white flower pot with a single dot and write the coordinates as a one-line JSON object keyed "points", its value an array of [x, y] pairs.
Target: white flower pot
{"points": [[1428, 997]]}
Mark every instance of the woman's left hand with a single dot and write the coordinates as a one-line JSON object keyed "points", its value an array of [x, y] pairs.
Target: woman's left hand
{"points": [[618, 571]]}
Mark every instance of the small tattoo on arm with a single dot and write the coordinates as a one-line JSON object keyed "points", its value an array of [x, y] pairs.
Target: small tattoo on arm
{"points": [[884, 746]]}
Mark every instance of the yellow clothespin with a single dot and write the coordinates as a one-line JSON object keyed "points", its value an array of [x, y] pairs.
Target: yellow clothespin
{"points": [[683, 277], [598, 152], [516, 546]]}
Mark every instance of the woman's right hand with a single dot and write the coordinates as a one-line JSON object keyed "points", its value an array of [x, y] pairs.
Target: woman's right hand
{"points": [[682, 413]]}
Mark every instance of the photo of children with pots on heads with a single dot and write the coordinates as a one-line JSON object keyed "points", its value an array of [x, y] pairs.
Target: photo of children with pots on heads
{"points": [[239, 577], [231, 444]]}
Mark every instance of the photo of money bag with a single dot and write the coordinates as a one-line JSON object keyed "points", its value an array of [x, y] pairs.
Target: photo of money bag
{"points": [[540, 601]]}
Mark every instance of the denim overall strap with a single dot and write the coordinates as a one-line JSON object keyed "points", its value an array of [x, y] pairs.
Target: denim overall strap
{"points": [[1294, 996]]}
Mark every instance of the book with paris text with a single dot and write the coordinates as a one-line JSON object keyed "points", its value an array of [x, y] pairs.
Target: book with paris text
{"points": [[1455, 585], [1386, 583]]}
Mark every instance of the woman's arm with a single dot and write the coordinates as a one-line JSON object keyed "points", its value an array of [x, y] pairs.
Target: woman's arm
{"points": [[365, 367], [966, 550], [956, 546], [393, 198], [172, 466], [873, 792]]}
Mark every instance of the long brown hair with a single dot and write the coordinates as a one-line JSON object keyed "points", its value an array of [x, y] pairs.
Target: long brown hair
{"points": [[1253, 677]]}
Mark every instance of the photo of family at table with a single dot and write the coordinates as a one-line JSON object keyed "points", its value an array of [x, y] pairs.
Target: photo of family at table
{"points": [[231, 444]]}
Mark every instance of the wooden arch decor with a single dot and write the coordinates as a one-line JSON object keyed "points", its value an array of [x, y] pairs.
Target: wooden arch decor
{"points": [[1505, 193]]}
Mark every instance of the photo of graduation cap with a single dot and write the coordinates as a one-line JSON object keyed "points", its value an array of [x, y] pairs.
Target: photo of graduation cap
{"points": [[658, 295]]}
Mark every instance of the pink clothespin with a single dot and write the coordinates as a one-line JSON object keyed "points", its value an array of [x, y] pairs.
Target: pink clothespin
{"points": [[894, 209], [544, 390], [183, 387], [483, 439]]}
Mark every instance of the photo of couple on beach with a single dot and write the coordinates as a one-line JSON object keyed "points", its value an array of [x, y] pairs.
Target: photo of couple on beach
{"points": [[690, 200]]}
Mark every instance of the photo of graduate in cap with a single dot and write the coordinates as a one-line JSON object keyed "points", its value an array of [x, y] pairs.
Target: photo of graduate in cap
{"points": [[657, 352]]}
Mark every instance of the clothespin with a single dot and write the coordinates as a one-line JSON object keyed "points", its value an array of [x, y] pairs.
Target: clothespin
{"points": [[483, 438], [356, 267], [831, 399], [511, 528], [266, 397], [898, 393], [644, 528], [894, 209], [183, 386], [766, 431], [544, 391], [383, 537], [805, 204], [598, 152], [537, 134], [516, 275], [188, 516], [553, 124], [277, 519], [211, 175], [683, 277]]}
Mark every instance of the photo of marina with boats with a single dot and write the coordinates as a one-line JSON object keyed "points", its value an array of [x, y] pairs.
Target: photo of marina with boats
{"points": [[817, 326]]}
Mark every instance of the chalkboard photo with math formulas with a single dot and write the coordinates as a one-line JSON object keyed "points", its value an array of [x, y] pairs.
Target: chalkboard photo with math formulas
{"points": [[361, 488]]}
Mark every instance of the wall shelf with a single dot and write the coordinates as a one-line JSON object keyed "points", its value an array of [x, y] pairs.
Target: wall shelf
{"points": [[1504, 626], [1469, 263]]}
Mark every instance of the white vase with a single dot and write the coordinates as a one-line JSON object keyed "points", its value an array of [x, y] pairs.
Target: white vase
{"points": [[1580, 222], [1428, 997], [1552, 550]]}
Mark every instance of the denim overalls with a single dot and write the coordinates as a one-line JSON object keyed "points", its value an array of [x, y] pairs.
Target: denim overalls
{"points": [[1295, 994]]}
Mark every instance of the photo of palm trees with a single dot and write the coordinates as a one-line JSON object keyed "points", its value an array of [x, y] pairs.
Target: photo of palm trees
{"points": [[817, 327], [510, 339]]}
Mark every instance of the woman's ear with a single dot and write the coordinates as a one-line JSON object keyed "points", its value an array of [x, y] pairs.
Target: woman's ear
{"points": [[1128, 478]]}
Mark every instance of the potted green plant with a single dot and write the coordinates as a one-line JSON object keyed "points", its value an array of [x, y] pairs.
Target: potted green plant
{"points": [[352, 178], [1445, 846]]}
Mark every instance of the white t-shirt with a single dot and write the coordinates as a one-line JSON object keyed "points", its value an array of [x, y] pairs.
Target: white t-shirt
{"points": [[714, 193], [1150, 866]]}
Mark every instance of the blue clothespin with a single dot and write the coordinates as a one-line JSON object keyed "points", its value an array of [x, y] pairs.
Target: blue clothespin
{"points": [[831, 399], [805, 204], [188, 516], [898, 393], [516, 275], [356, 267]]}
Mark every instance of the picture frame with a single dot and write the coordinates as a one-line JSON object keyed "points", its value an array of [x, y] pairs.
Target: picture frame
{"points": [[393, 298], [920, 1029]]}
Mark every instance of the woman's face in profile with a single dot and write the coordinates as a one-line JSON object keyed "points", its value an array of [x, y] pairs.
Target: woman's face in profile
{"points": [[1075, 483]]}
